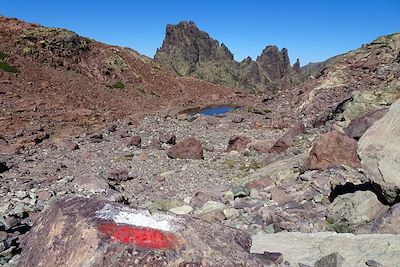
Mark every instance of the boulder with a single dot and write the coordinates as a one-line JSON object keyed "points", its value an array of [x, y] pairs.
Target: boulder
{"points": [[379, 148], [358, 126], [118, 175], [135, 140], [388, 223], [238, 143], [308, 248], [365, 102], [285, 169], [90, 182], [3, 166], [333, 150], [286, 141], [354, 209], [189, 148], [331, 260], [167, 138], [79, 231]]}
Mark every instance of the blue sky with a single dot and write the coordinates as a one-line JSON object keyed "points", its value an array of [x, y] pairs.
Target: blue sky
{"points": [[311, 30]]}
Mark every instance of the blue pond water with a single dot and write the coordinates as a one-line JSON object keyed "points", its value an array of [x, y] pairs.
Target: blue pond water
{"points": [[216, 111]]}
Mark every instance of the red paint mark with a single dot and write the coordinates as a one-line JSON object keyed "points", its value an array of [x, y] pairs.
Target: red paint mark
{"points": [[140, 236]]}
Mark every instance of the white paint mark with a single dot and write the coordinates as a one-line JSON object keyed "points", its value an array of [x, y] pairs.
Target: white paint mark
{"points": [[139, 218]]}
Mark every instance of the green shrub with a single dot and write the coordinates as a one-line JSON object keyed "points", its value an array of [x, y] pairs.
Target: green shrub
{"points": [[249, 166], [118, 85], [141, 89], [154, 94], [338, 228], [3, 56], [230, 163], [8, 68]]}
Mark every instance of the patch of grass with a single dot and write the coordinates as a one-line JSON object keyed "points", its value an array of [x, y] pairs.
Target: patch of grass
{"points": [[141, 89], [7, 68], [29, 50], [154, 94], [267, 110], [249, 166], [117, 85], [230, 163], [126, 157], [336, 227], [3, 56]]}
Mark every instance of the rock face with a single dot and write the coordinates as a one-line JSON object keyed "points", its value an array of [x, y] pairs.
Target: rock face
{"points": [[388, 223], [379, 150], [188, 148], [358, 126], [333, 150], [189, 51], [354, 209], [115, 235], [308, 248]]}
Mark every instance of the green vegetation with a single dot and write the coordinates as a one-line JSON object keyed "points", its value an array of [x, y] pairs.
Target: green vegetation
{"points": [[141, 89], [116, 61], [126, 157], [154, 94], [230, 163], [117, 85], [3, 56], [249, 166], [4, 65], [8, 68], [337, 227], [29, 50]]}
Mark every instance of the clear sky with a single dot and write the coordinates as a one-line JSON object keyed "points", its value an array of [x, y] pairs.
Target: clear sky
{"points": [[311, 30]]}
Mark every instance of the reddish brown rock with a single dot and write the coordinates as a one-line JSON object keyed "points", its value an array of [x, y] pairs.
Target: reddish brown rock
{"points": [[333, 150], [90, 232], [358, 126], [279, 196], [189, 148], [286, 140], [259, 183], [262, 146], [118, 174], [238, 143], [96, 138], [135, 140], [167, 138]]}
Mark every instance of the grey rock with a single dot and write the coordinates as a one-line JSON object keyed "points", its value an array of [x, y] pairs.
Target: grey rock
{"points": [[354, 209], [379, 150]]}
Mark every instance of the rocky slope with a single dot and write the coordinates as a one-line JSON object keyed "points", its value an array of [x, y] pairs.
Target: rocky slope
{"points": [[69, 84], [188, 51], [288, 169]]}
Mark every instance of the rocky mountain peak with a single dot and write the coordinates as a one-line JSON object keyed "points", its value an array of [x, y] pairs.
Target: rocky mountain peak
{"points": [[185, 46], [189, 51], [274, 63]]}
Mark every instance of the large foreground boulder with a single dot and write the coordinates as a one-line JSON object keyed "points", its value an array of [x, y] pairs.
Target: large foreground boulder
{"points": [[379, 152], [309, 248], [333, 150], [89, 232], [188, 148], [354, 209]]}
